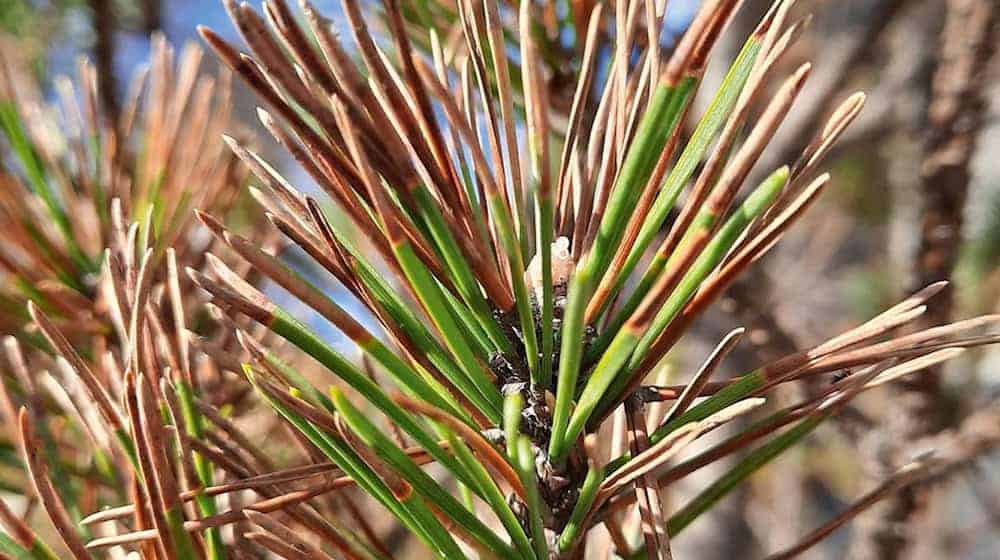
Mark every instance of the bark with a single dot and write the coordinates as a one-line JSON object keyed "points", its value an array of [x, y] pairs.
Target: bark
{"points": [[151, 15], [104, 54], [954, 118]]}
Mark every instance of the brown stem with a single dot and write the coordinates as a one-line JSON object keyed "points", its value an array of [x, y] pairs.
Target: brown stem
{"points": [[953, 121], [151, 15], [104, 54]]}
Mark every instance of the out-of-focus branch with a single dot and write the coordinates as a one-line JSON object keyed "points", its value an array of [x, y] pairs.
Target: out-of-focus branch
{"points": [[954, 119], [771, 340], [151, 15], [752, 300], [104, 53], [978, 436], [753, 304]]}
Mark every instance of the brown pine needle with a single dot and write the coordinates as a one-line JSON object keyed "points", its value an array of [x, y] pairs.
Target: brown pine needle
{"points": [[90, 381], [904, 477], [283, 476], [438, 155], [716, 284], [498, 51], [472, 27], [669, 446], [654, 526], [580, 97], [150, 463], [16, 527], [269, 266], [286, 535], [400, 488], [693, 389], [276, 545], [38, 472], [487, 452]]}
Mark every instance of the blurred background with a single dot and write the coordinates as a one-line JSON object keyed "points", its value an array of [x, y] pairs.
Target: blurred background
{"points": [[916, 198]]}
